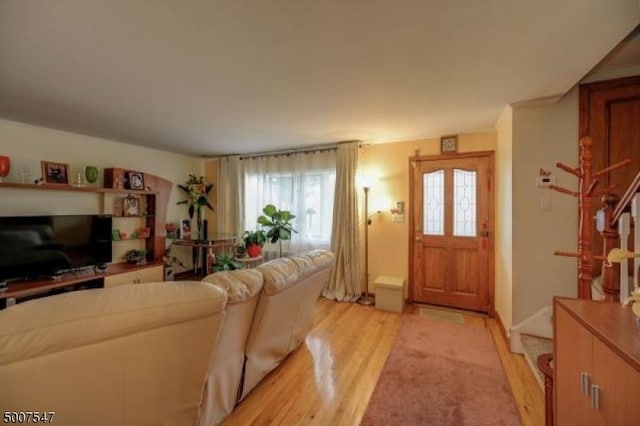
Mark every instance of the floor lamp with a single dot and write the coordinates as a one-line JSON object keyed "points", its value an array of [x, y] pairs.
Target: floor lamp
{"points": [[366, 299]]}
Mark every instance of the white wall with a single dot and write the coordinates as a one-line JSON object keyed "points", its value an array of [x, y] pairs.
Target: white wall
{"points": [[504, 215], [542, 136], [27, 145]]}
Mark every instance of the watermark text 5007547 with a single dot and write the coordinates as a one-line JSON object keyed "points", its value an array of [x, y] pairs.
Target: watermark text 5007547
{"points": [[28, 417]]}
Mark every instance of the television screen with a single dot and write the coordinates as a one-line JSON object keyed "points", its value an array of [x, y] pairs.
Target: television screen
{"points": [[32, 246]]}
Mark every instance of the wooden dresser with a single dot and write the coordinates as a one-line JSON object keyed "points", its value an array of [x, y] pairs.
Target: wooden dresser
{"points": [[596, 363]]}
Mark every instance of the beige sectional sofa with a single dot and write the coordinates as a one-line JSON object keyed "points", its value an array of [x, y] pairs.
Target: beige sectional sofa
{"points": [[179, 353], [278, 300]]}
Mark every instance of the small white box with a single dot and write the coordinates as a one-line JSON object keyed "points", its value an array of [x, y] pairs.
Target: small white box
{"points": [[389, 293]]}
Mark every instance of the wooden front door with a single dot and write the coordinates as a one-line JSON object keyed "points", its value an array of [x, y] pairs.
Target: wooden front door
{"points": [[451, 250]]}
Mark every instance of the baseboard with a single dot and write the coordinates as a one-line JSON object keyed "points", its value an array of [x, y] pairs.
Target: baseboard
{"points": [[503, 330]]}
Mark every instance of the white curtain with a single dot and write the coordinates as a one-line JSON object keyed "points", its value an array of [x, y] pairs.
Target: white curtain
{"points": [[229, 211], [344, 284], [302, 183]]}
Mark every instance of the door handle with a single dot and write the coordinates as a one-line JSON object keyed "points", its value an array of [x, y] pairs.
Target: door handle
{"points": [[595, 397], [485, 228], [585, 383]]}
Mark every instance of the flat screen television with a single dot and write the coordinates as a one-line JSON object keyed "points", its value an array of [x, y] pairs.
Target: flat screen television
{"points": [[35, 246]]}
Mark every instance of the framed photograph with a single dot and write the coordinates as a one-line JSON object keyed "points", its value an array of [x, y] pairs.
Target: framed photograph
{"points": [[115, 235], [55, 173], [134, 180], [131, 206], [185, 229], [449, 144]]}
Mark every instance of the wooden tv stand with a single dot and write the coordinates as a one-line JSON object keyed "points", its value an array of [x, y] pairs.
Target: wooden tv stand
{"points": [[115, 274]]}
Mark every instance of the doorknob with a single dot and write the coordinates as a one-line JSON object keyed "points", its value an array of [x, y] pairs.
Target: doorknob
{"points": [[484, 232], [418, 235]]}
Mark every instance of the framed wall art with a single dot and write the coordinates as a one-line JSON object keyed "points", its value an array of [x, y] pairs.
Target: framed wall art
{"points": [[449, 144], [134, 180], [131, 206], [55, 173]]}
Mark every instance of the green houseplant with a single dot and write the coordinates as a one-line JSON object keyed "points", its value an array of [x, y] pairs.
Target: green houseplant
{"points": [[197, 191], [278, 223], [226, 263], [253, 241]]}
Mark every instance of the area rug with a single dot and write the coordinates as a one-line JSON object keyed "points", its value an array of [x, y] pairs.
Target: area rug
{"points": [[441, 315], [441, 373]]}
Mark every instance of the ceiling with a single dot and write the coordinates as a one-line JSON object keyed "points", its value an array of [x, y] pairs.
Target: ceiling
{"points": [[221, 77]]}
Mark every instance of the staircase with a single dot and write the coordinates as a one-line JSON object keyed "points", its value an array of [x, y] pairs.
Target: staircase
{"points": [[534, 346]]}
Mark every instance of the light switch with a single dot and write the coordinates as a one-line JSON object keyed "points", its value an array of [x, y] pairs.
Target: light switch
{"points": [[398, 217], [545, 202]]}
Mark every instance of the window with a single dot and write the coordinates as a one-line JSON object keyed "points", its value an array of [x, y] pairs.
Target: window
{"points": [[303, 185]]}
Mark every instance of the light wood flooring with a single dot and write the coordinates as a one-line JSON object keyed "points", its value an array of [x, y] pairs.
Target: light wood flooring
{"points": [[330, 378]]}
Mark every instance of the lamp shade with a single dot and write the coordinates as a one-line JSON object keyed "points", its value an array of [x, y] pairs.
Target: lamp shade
{"points": [[364, 180]]}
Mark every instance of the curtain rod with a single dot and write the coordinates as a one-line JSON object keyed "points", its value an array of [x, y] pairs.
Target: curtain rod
{"points": [[311, 149]]}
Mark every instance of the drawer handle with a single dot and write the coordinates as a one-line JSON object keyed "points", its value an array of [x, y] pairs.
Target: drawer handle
{"points": [[595, 397], [585, 383]]}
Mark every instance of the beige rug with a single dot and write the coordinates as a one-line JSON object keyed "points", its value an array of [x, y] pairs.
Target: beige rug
{"points": [[439, 373], [440, 315]]}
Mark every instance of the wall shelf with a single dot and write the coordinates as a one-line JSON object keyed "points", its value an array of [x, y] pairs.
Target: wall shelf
{"points": [[156, 202], [71, 188]]}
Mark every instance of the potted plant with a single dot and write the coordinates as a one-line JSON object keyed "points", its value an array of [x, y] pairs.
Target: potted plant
{"points": [[197, 191], [226, 263], [279, 224], [253, 241]]}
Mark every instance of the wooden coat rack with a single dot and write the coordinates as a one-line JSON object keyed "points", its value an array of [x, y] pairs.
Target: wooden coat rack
{"points": [[587, 183]]}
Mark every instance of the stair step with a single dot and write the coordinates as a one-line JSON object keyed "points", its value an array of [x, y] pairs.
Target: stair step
{"points": [[534, 346]]}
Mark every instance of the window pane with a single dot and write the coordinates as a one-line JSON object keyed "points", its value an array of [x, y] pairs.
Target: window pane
{"points": [[307, 194], [433, 203], [464, 203]]}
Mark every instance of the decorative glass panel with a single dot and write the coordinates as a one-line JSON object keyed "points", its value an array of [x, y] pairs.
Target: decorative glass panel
{"points": [[464, 203], [433, 203]]}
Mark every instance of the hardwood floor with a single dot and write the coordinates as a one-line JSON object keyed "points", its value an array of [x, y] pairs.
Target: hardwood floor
{"points": [[330, 378]]}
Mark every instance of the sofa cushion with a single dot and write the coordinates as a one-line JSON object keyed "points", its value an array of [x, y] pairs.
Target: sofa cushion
{"points": [[320, 257], [79, 318], [240, 285], [313, 261], [280, 274]]}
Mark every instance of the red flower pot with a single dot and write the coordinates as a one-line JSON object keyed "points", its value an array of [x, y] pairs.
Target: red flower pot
{"points": [[5, 166], [254, 250]]}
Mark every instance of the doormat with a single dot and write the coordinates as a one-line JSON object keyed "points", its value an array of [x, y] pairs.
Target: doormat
{"points": [[440, 315]]}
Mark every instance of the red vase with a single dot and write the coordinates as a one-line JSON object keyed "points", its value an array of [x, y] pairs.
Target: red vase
{"points": [[5, 166], [254, 250]]}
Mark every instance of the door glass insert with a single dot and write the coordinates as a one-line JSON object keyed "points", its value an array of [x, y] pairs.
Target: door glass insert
{"points": [[433, 203], [464, 203]]}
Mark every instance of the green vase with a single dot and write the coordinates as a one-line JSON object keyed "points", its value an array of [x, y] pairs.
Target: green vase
{"points": [[91, 173]]}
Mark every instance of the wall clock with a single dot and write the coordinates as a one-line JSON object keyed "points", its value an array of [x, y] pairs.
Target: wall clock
{"points": [[449, 144]]}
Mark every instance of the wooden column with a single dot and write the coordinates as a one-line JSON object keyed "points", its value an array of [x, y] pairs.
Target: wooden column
{"points": [[585, 226]]}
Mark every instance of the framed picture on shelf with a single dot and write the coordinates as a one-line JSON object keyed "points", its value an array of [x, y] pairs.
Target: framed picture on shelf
{"points": [[172, 230], [115, 235], [185, 229], [131, 206], [55, 173], [134, 180]]}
